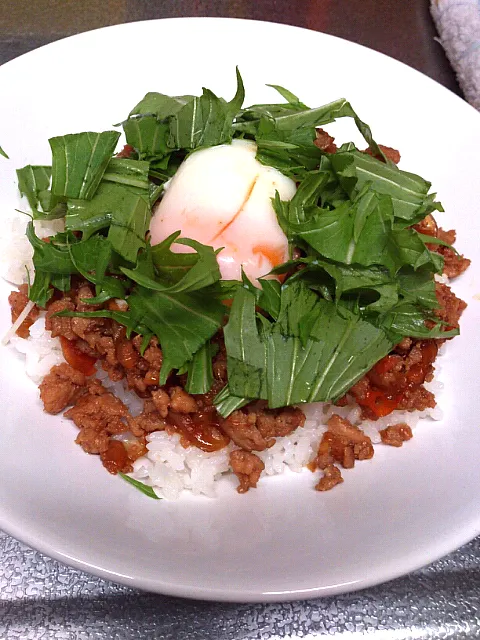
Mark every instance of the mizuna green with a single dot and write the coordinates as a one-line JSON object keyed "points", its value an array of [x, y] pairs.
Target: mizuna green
{"points": [[364, 277]]}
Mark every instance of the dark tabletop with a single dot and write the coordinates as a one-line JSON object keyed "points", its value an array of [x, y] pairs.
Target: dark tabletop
{"points": [[40, 598]]}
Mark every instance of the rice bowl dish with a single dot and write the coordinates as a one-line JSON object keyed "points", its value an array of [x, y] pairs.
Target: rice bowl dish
{"points": [[163, 461], [397, 511]]}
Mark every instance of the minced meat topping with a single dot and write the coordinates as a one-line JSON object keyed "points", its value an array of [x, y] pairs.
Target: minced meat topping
{"points": [[88, 343]]}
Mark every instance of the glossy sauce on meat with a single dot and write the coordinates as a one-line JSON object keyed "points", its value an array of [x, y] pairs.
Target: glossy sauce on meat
{"points": [[200, 429]]}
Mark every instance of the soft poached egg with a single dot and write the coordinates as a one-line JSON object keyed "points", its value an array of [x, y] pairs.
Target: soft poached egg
{"points": [[221, 197]]}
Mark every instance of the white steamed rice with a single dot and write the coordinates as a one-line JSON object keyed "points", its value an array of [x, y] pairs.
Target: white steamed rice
{"points": [[169, 467]]}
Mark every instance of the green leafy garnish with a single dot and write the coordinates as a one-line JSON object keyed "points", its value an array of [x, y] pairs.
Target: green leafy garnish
{"points": [[3, 153], [79, 161], [359, 277], [201, 274], [160, 124], [408, 192], [284, 363], [144, 488], [32, 181], [185, 321], [132, 173], [226, 403], [125, 211], [285, 133], [199, 369]]}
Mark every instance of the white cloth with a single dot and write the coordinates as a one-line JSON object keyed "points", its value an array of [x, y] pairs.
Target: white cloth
{"points": [[458, 25]]}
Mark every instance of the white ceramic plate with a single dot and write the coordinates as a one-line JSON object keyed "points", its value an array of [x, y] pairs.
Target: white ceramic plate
{"points": [[392, 514]]}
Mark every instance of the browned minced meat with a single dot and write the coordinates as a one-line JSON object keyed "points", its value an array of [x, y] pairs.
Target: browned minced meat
{"points": [[401, 370], [161, 401], [99, 415], [428, 226], [279, 423], [181, 401], [92, 441], [399, 377], [325, 141], [389, 153], [359, 392], [135, 448], [451, 307], [105, 340], [220, 360], [255, 428], [169, 407], [247, 467], [343, 443], [127, 152], [18, 300], [101, 412], [147, 422], [396, 434], [60, 326], [454, 263], [447, 236], [143, 376], [200, 429], [88, 329], [416, 399], [61, 387], [331, 477], [241, 428], [404, 345], [397, 380], [115, 458], [119, 455]]}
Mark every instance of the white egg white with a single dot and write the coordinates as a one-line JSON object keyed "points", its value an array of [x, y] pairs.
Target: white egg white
{"points": [[221, 196]]}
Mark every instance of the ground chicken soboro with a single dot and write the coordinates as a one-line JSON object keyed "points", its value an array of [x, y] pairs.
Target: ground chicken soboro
{"points": [[100, 416], [395, 382]]}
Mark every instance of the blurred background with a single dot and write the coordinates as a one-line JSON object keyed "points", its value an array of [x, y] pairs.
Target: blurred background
{"points": [[402, 29]]}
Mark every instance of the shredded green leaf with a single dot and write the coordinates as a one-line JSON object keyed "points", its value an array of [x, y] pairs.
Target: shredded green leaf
{"points": [[144, 488], [199, 369], [284, 364], [359, 277], [79, 161], [226, 403], [32, 181]]}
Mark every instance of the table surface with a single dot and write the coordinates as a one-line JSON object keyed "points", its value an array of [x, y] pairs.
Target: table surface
{"points": [[39, 597]]}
